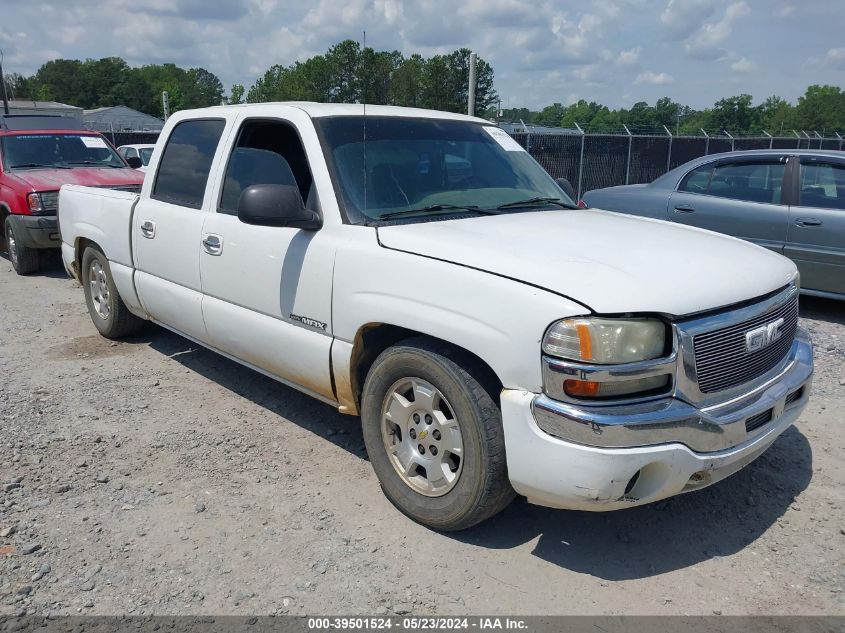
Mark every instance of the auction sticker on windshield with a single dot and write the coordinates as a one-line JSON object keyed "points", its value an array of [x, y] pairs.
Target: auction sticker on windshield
{"points": [[93, 141], [504, 139]]}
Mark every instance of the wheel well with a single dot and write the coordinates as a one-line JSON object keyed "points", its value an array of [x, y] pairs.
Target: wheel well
{"points": [[79, 250], [372, 339], [4, 213]]}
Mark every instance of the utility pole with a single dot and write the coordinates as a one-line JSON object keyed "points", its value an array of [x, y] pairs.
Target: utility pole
{"points": [[165, 104], [471, 99], [3, 82]]}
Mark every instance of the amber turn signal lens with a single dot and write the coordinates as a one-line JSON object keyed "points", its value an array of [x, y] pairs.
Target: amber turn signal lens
{"points": [[581, 388]]}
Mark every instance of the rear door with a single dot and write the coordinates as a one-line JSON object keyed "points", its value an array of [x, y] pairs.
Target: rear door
{"points": [[167, 227], [740, 196], [816, 235]]}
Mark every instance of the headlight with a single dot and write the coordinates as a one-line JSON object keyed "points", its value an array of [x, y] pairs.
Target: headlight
{"points": [[33, 201], [611, 358], [606, 341]]}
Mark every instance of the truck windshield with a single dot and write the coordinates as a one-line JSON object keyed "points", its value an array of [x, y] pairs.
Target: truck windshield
{"points": [[145, 153], [33, 151], [418, 168]]}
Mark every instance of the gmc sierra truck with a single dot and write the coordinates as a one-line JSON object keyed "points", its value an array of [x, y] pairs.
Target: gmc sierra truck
{"points": [[421, 270], [38, 154]]}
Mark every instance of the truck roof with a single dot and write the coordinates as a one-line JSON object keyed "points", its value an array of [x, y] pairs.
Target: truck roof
{"points": [[39, 122], [318, 110], [82, 132]]}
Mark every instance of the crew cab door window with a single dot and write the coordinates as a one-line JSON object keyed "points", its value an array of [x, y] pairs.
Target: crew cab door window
{"points": [[267, 153], [185, 164]]}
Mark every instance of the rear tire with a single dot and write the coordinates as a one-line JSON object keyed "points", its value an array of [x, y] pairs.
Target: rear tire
{"points": [[424, 393], [110, 315], [25, 260]]}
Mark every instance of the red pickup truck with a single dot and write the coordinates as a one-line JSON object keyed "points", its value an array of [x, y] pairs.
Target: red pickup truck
{"points": [[39, 154]]}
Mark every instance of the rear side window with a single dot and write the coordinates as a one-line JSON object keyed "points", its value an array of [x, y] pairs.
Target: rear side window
{"points": [[822, 186], [186, 162]]}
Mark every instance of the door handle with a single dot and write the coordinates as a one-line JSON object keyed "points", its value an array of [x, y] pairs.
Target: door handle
{"points": [[685, 208], [212, 244], [148, 229], [808, 222]]}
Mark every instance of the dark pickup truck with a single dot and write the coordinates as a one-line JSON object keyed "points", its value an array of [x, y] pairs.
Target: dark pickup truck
{"points": [[39, 154]]}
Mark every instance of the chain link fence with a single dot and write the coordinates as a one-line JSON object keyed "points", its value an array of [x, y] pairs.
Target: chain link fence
{"points": [[592, 161], [123, 131]]}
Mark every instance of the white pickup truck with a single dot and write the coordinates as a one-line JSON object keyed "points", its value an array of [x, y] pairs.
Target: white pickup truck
{"points": [[421, 270]]}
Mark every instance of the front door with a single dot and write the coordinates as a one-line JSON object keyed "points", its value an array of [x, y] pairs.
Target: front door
{"points": [[816, 236], [267, 290], [741, 198], [167, 228]]}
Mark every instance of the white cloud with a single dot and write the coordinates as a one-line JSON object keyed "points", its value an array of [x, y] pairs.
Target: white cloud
{"points": [[629, 57], [836, 57], [653, 78], [744, 65], [543, 51], [706, 40], [682, 17]]}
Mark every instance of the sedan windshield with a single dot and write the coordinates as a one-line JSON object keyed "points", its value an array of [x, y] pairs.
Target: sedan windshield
{"points": [[33, 151], [418, 168]]}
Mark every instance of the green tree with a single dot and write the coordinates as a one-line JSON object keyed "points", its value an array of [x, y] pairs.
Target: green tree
{"points": [[734, 114], [551, 115], [236, 94], [821, 108], [407, 81], [203, 88], [776, 115]]}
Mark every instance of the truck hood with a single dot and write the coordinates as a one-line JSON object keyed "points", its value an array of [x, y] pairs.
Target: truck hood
{"points": [[609, 262], [53, 179]]}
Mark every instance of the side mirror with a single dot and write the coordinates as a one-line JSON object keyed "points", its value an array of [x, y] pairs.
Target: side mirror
{"points": [[567, 187], [134, 162], [276, 205]]}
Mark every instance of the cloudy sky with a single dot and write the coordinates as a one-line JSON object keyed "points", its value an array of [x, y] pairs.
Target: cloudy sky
{"points": [[613, 51]]}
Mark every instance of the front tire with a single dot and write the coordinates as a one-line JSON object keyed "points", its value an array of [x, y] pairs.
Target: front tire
{"points": [[25, 260], [434, 435], [110, 315]]}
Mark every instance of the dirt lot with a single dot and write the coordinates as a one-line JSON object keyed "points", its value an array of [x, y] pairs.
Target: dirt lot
{"points": [[154, 477]]}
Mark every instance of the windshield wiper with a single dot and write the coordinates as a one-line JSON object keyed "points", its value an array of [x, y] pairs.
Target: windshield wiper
{"points": [[437, 207], [33, 165], [537, 201]]}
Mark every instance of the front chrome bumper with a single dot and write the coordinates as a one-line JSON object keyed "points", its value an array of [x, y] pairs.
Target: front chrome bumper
{"points": [[704, 429]]}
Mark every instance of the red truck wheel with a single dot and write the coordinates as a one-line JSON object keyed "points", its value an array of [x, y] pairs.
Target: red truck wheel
{"points": [[24, 260]]}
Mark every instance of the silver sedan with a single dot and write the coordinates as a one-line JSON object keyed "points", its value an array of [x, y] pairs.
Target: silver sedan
{"points": [[790, 201]]}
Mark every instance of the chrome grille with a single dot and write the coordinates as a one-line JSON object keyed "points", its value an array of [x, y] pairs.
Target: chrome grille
{"points": [[756, 421], [49, 200], [721, 360]]}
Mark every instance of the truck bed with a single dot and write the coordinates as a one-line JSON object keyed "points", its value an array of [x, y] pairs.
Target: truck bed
{"points": [[100, 215]]}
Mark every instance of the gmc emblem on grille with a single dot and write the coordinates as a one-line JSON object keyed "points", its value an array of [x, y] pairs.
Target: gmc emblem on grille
{"points": [[763, 336]]}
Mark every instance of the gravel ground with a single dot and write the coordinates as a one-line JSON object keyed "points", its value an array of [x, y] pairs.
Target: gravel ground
{"points": [[154, 477]]}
